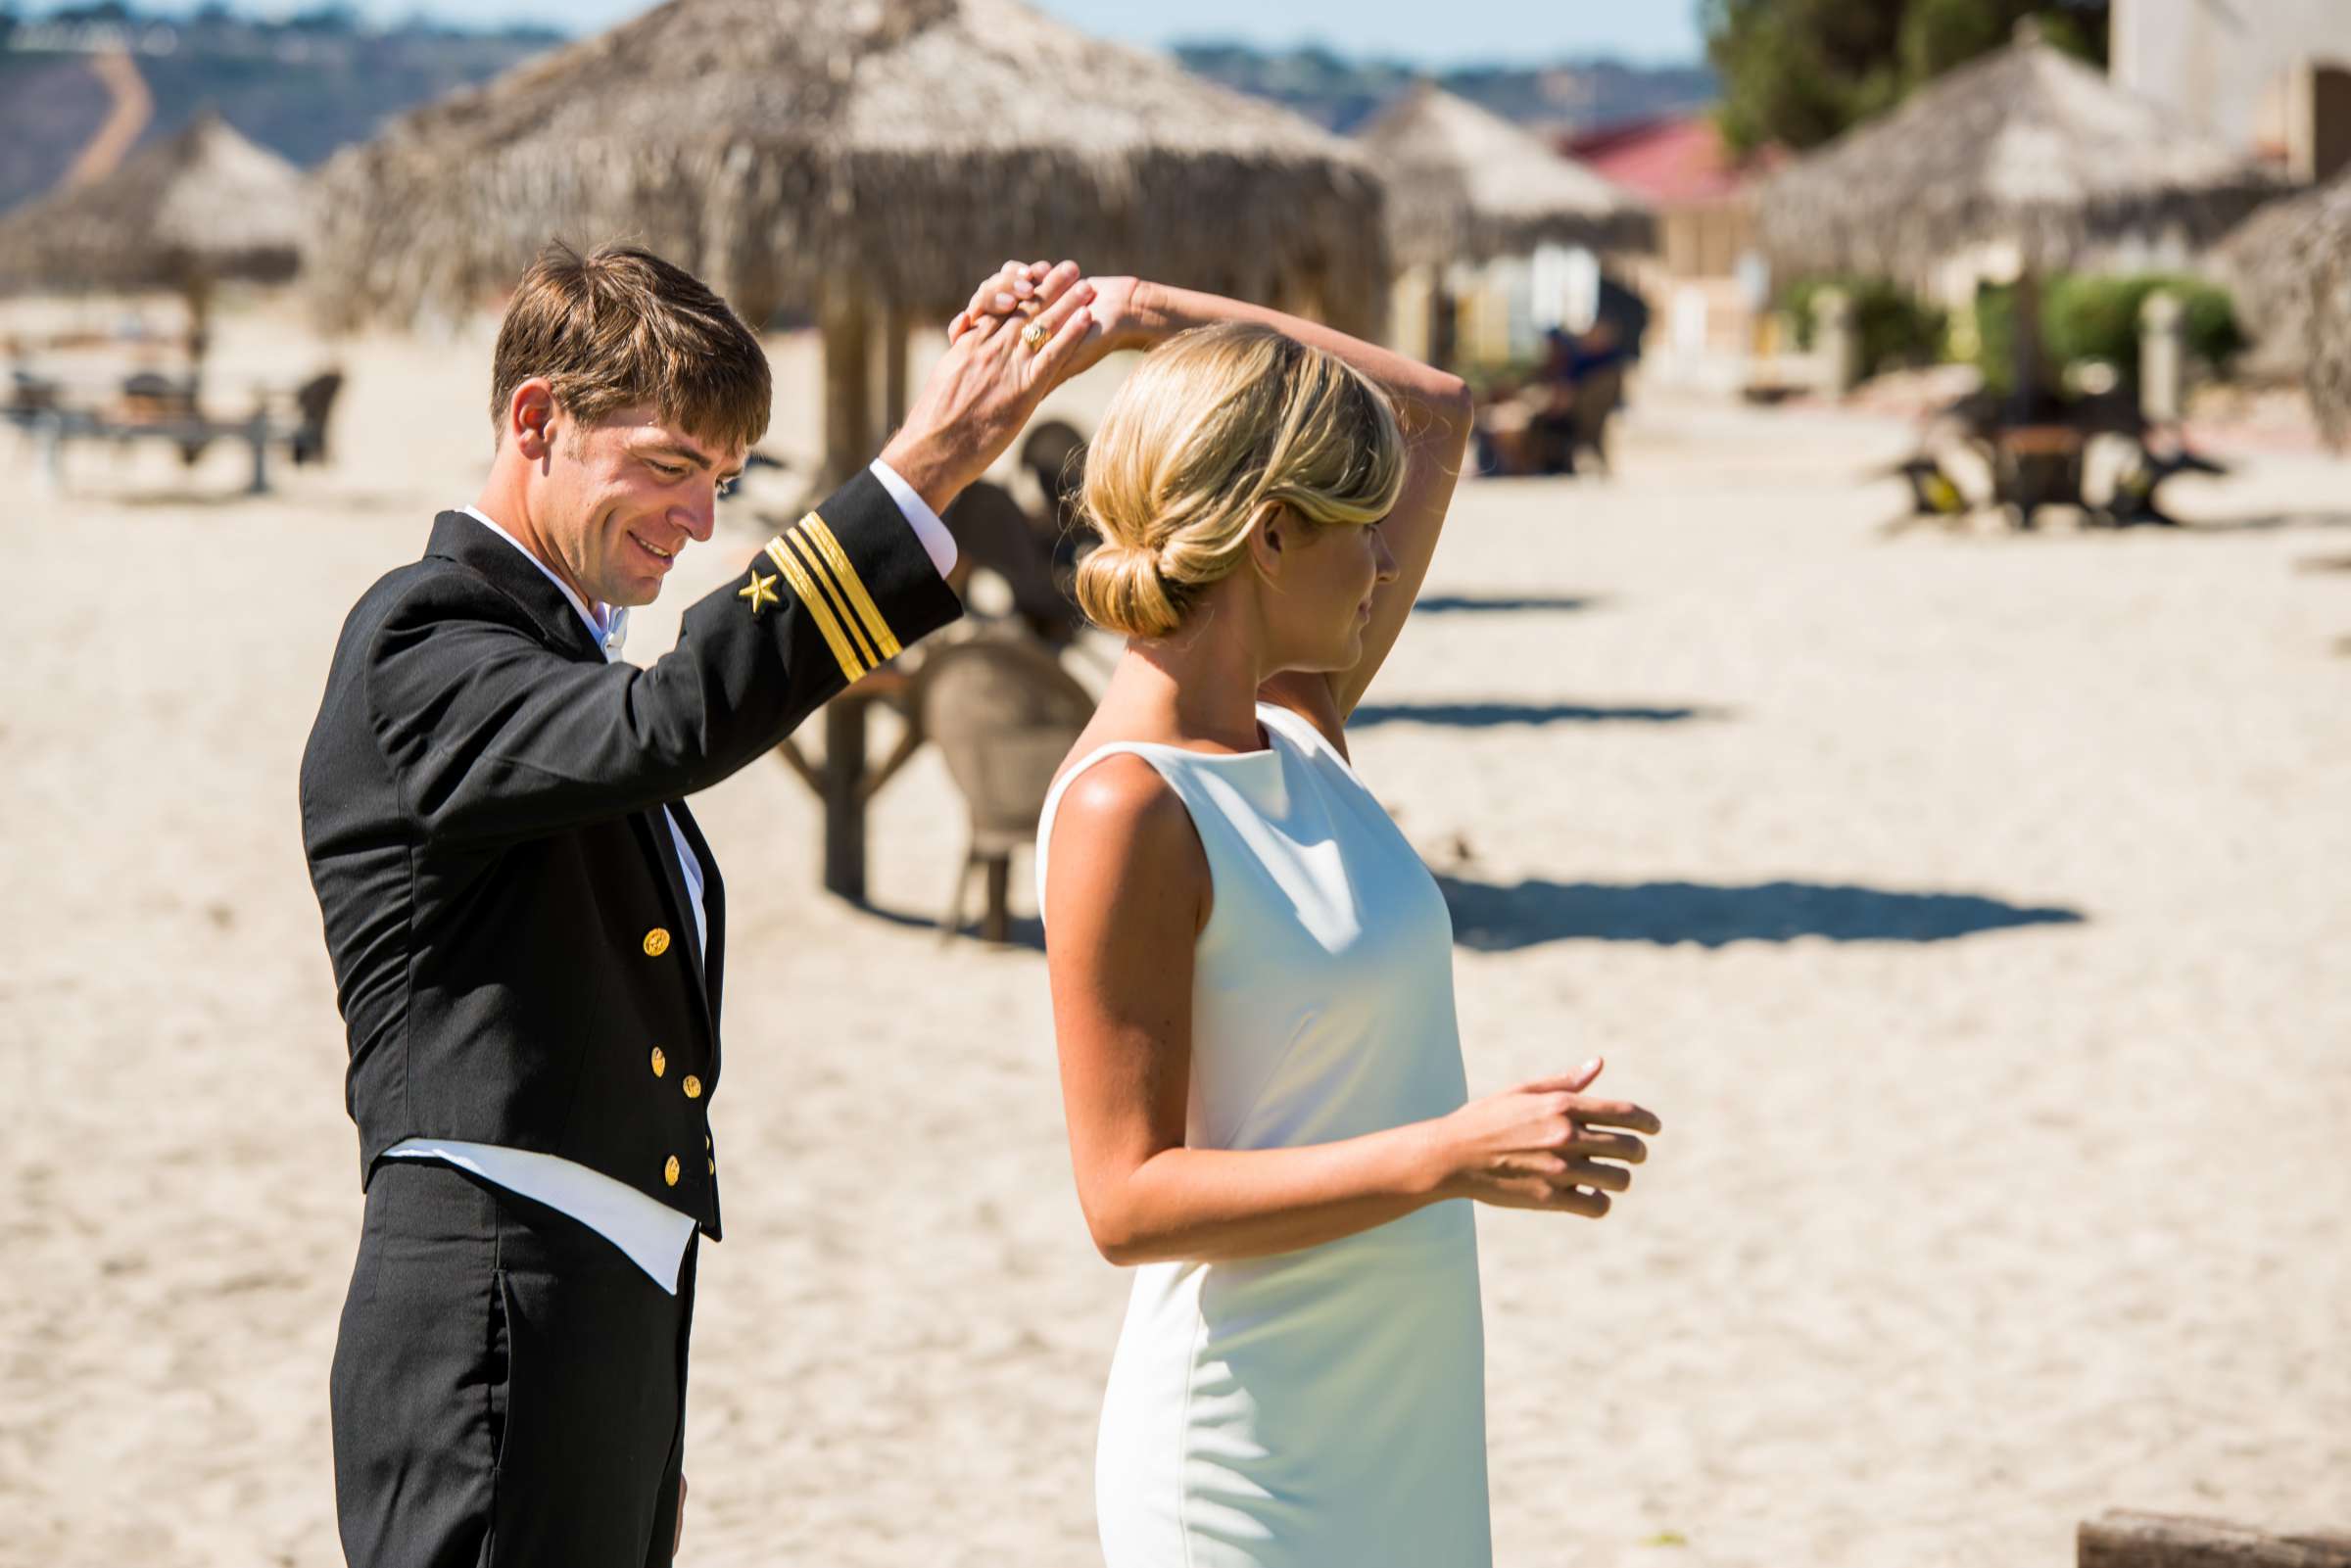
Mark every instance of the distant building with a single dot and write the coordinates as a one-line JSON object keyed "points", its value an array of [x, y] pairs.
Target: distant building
{"points": [[2271, 74], [1706, 278]]}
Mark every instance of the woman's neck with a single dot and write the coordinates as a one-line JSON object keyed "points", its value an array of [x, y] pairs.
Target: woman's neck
{"points": [[1199, 685]]}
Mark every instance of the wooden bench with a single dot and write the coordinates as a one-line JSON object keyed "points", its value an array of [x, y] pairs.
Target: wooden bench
{"points": [[2121, 1538]]}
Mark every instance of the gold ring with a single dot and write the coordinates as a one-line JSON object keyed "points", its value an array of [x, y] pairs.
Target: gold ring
{"points": [[1034, 335]]}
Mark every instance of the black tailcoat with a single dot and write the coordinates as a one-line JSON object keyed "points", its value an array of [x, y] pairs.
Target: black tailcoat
{"points": [[514, 954]]}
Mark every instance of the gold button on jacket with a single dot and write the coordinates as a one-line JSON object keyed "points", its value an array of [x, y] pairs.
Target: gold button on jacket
{"points": [[656, 943], [669, 1173], [661, 1062], [694, 1087]]}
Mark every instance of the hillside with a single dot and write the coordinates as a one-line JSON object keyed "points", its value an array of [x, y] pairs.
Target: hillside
{"points": [[317, 81], [1572, 95], [303, 86]]}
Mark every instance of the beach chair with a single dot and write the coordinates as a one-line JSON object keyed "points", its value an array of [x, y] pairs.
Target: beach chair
{"points": [[2135, 503], [1054, 453], [993, 530], [1004, 714], [1935, 497], [1596, 398], [313, 403]]}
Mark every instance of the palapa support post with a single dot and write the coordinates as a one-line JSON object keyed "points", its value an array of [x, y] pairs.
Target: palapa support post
{"points": [[850, 440], [2024, 324], [2123, 1538], [844, 782], [897, 325], [256, 437], [1835, 340], [2162, 354]]}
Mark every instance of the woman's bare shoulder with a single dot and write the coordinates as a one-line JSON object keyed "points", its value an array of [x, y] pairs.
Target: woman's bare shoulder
{"points": [[1119, 828]]}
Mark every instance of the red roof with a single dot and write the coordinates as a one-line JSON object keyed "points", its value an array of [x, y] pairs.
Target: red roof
{"points": [[1669, 161]]}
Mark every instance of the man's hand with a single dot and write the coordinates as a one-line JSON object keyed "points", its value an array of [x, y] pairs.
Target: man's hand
{"points": [[990, 382], [679, 1540]]}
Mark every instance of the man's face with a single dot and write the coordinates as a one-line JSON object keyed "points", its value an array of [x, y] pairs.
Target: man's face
{"points": [[620, 498]]}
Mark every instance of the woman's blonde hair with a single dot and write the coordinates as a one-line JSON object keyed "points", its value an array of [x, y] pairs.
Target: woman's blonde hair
{"points": [[1216, 430]]}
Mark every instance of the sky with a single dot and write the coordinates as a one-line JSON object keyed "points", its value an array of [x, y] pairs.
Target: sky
{"points": [[1421, 33]]}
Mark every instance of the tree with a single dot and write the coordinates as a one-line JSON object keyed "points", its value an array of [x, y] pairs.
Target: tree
{"points": [[1799, 71]]}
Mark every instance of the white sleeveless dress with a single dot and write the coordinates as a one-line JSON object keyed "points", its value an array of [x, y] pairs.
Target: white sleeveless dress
{"points": [[1325, 1406]]}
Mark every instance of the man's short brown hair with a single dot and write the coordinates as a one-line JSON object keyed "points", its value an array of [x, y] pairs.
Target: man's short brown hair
{"points": [[618, 327]]}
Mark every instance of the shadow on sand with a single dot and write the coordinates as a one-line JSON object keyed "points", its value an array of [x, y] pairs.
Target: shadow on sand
{"points": [[1498, 603], [1025, 931], [2262, 523], [1486, 715], [1494, 917]]}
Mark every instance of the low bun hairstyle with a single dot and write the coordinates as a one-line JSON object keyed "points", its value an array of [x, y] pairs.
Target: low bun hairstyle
{"points": [[1217, 429]]}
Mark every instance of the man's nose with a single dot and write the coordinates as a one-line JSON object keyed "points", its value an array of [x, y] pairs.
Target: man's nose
{"points": [[700, 517]]}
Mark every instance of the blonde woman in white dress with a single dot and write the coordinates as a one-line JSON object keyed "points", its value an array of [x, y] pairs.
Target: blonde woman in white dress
{"points": [[1253, 973]]}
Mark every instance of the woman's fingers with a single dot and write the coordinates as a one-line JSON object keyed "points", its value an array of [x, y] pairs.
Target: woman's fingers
{"points": [[996, 294], [1579, 1201], [1621, 1147], [1596, 1173], [1612, 1114], [1568, 1082], [1016, 287], [1057, 282]]}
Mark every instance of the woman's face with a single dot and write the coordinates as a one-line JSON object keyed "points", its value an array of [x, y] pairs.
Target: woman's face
{"points": [[1321, 598]]}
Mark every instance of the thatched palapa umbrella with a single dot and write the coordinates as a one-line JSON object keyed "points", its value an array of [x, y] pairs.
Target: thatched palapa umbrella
{"points": [[2286, 265], [200, 208], [2026, 147], [1466, 185], [871, 160]]}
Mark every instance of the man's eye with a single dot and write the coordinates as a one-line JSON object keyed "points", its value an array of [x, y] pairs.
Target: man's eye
{"points": [[726, 488]]}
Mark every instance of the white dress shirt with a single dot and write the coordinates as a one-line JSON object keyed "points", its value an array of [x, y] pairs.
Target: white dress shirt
{"points": [[653, 1234]]}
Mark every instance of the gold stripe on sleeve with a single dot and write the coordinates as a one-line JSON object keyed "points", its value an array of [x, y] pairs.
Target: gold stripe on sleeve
{"points": [[884, 639], [798, 542], [808, 595]]}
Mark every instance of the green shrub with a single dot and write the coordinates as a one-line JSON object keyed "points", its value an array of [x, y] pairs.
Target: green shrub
{"points": [[2090, 317], [1896, 329]]}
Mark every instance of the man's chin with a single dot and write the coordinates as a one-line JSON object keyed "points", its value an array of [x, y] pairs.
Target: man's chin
{"points": [[636, 594]]}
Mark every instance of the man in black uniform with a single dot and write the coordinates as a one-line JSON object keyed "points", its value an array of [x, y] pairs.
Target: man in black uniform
{"points": [[528, 931]]}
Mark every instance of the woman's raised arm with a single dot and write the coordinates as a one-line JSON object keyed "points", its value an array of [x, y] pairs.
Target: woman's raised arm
{"points": [[1433, 406]]}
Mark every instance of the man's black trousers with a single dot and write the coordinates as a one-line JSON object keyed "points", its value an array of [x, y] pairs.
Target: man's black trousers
{"points": [[508, 1388]]}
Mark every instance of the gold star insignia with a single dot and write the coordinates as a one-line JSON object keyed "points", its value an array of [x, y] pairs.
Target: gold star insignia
{"points": [[760, 591]]}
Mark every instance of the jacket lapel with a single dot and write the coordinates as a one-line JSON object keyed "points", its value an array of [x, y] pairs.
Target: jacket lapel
{"points": [[463, 539], [714, 906], [652, 833]]}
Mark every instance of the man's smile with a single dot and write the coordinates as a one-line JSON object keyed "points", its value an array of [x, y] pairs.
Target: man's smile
{"points": [[664, 557]]}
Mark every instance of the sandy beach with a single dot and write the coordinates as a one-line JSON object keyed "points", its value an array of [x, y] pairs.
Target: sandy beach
{"points": [[1973, 909]]}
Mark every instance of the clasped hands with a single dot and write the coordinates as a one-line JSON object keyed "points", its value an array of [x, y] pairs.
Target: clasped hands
{"points": [[1029, 327]]}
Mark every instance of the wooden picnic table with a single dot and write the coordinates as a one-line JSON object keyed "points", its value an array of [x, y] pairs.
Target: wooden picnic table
{"points": [[2037, 466], [2042, 461], [171, 415]]}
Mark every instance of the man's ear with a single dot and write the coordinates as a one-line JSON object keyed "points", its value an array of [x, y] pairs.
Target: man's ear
{"points": [[531, 418]]}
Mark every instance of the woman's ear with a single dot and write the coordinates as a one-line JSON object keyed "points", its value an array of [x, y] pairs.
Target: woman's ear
{"points": [[1272, 541]]}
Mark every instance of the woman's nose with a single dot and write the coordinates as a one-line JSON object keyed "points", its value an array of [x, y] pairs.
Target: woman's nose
{"points": [[1383, 559]]}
